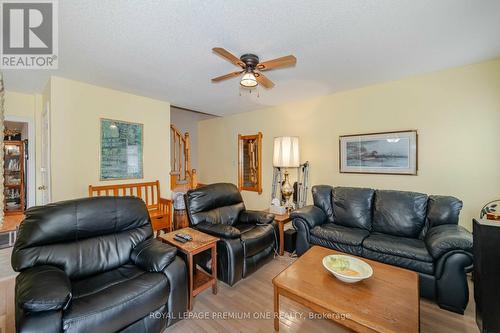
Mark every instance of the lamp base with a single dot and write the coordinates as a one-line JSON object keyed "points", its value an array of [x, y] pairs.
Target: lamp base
{"points": [[287, 192]]}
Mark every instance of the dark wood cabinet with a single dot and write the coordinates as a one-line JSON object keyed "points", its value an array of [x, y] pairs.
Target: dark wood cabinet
{"points": [[14, 177], [487, 274]]}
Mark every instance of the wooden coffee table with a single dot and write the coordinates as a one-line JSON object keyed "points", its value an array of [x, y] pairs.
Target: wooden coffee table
{"points": [[386, 302], [198, 279]]}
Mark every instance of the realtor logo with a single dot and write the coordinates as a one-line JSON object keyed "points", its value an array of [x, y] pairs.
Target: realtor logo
{"points": [[29, 34]]}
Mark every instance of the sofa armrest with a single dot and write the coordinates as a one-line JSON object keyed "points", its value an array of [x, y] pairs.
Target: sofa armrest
{"points": [[255, 216], [312, 215], [153, 255], [447, 237], [218, 230], [177, 304], [43, 288]]}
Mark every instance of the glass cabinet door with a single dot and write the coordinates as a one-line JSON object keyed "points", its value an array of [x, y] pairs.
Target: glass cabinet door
{"points": [[13, 177]]}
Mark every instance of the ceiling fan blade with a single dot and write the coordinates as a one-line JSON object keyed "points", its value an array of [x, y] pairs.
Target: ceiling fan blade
{"points": [[263, 80], [288, 60], [229, 56], [227, 76]]}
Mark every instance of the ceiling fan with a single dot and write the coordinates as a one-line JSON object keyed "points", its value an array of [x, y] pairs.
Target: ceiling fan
{"points": [[252, 68]]}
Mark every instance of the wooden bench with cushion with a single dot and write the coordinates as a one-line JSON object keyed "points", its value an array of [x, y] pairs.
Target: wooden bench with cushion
{"points": [[160, 209]]}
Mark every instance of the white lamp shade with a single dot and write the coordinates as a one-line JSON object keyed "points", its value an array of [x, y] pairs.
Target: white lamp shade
{"points": [[286, 152], [248, 80]]}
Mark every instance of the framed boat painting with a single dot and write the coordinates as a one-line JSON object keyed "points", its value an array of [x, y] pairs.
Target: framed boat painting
{"points": [[392, 153]]}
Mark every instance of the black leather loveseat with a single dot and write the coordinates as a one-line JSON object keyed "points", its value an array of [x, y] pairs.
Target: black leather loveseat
{"points": [[406, 229], [247, 239], [91, 265]]}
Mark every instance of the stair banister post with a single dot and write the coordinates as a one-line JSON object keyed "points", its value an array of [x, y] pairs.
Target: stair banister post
{"points": [[187, 154]]}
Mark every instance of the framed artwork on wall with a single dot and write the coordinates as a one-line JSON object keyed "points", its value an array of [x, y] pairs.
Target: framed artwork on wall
{"points": [[121, 149], [392, 153], [250, 162]]}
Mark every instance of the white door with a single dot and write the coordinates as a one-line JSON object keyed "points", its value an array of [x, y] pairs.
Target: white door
{"points": [[45, 158]]}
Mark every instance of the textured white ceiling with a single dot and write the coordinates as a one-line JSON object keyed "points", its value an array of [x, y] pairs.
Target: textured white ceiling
{"points": [[162, 49]]}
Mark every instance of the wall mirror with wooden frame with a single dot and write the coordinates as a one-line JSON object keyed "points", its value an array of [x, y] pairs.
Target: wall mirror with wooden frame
{"points": [[250, 162]]}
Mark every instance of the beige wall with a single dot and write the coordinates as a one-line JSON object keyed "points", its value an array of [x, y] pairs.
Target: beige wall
{"points": [[75, 128], [19, 105], [75, 111], [456, 113]]}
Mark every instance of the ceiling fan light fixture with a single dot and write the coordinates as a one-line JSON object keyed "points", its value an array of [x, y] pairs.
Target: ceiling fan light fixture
{"points": [[248, 80]]}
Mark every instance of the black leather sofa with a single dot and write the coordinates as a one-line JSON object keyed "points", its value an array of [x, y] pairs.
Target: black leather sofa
{"points": [[405, 229], [92, 265], [247, 238]]}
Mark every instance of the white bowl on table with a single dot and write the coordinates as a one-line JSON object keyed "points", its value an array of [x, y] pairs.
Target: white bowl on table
{"points": [[346, 268]]}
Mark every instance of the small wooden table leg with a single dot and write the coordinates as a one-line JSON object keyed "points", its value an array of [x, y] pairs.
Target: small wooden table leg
{"points": [[282, 238], [191, 281], [276, 309], [214, 268]]}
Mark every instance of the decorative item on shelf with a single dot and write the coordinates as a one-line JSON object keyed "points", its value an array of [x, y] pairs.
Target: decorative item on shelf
{"points": [[490, 210], [286, 155], [250, 162], [14, 177], [11, 134], [380, 153]]}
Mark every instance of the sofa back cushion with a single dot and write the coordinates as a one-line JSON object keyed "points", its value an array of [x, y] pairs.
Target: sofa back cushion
{"points": [[399, 213], [443, 210], [322, 198], [83, 237], [215, 203], [352, 207]]}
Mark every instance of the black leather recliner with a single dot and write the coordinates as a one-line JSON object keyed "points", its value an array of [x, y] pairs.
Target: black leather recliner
{"points": [[405, 229], [92, 265], [248, 239]]}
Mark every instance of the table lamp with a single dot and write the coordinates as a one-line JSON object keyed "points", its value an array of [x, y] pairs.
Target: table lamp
{"points": [[286, 155]]}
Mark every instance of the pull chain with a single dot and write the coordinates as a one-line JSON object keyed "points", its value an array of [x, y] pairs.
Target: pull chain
{"points": [[249, 91]]}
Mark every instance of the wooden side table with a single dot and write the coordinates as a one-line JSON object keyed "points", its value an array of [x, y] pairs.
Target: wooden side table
{"points": [[281, 220], [198, 279]]}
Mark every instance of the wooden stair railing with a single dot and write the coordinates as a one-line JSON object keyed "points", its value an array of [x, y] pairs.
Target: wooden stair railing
{"points": [[181, 175]]}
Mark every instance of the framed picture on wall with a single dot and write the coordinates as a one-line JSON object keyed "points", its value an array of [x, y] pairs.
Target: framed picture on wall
{"points": [[121, 148], [250, 162], [393, 153]]}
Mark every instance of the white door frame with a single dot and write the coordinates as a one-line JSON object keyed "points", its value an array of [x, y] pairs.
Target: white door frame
{"points": [[31, 180], [46, 180]]}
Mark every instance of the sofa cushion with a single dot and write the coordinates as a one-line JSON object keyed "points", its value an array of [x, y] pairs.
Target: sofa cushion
{"points": [[214, 203], [322, 198], [340, 234], [256, 239], [113, 300], [227, 215], [96, 283], [410, 248], [352, 207], [83, 237], [399, 213], [414, 265], [443, 210], [244, 227]]}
